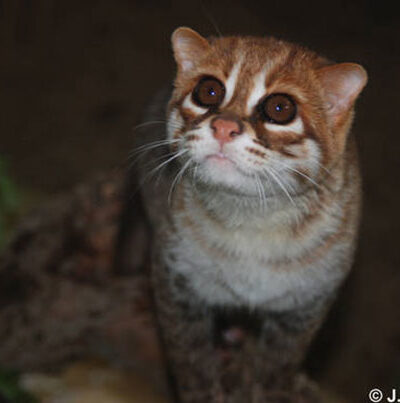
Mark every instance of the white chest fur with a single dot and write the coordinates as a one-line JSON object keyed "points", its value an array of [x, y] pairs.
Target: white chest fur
{"points": [[255, 263]]}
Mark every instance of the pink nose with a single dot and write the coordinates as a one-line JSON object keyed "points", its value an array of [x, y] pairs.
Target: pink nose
{"points": [[225, 130]]}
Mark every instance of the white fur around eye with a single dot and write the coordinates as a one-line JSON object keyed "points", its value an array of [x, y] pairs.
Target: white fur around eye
{"points": [[189, 104], [296, 126]]}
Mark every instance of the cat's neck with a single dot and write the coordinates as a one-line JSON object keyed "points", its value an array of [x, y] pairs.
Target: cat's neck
{"points": [[236, 210]]}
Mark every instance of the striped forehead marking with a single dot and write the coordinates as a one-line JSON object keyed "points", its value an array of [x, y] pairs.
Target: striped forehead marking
{"points": [[258, 90], [231, 82]]}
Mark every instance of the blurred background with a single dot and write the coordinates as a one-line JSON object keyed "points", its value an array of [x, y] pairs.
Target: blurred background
{"points": [[75, 76]]}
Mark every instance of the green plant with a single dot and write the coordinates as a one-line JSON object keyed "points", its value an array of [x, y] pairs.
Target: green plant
{"points": [[10, 389], [9, 208]]}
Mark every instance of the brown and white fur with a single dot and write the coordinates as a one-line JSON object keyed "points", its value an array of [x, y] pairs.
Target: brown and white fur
{"points": [[254, 234]]}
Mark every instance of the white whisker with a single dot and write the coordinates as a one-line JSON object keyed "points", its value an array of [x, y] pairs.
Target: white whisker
{"points": [[157, 168], [154, 160], [178, 177], [260, 191], [323, 167], [211, 19], [142, 150], [271, 186], [281, 185], [264, 199], [283, 165], [152, 122], [152, 145]]}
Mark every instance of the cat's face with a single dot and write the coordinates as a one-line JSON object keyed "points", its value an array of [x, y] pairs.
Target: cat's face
{"points": [[258, 115]]}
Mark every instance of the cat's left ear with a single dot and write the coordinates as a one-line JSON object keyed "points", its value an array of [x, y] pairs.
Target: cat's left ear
{"points": [[342, 84], [188, 47]]}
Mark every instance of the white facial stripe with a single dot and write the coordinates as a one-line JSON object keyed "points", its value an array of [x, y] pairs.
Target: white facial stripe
{"points": [[258, 90], [188, 103], [313, 155], [230, 83], [295, 127], [174, 123]]}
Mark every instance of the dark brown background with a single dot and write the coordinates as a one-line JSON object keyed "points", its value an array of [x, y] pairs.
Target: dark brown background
{"points": [[75, 76]]}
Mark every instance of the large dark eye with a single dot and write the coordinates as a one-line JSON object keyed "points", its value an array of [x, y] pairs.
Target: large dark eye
{"points": [[209, 92], [278, 108]]}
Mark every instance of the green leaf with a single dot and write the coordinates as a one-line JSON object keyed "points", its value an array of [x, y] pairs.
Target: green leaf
{"points": [[10, 389]]}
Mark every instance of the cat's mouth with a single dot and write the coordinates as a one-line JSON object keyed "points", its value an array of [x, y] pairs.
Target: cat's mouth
{"points": [[220, 160], [220, 157]]}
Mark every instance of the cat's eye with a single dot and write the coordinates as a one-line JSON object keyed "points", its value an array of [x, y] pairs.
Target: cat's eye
{"points": [[209, 92], [278, 108]]}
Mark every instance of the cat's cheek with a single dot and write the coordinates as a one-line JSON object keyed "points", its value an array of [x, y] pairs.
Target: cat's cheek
{"points": [[302, 168], [314, 156], [308, 159], [175, 123]]}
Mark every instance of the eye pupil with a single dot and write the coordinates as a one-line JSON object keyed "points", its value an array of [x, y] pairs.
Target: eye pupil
{"points": [[278, 108], [209, 92]]}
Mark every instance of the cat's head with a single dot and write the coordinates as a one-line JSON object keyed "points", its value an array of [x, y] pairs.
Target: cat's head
{"points": [[259, 114]]}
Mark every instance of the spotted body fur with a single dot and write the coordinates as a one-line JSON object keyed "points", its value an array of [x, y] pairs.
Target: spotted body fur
{"points": [[255, 210]]}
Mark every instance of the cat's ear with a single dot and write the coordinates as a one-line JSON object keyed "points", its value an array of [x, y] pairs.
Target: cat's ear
{"points": [[188, 47], [341, 83]]}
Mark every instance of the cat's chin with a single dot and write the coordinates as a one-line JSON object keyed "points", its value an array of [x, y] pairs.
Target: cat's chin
{"points": [[218, 171]]}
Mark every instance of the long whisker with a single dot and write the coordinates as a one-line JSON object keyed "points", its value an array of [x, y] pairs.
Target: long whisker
{"points": [[281, 185], [264, 199], [288, 185], [153, 144], [195, 174], [160, 166], [323, 167], [260, 191], [268, 176], [152, 122], [142, 150], [263, 191], [283, 165], [195, 170], [211, 19], [178, 177], [154, 160], [257, 187]]}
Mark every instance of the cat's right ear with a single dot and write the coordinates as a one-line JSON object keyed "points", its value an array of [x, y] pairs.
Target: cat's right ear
{"points": [[188, 47]]}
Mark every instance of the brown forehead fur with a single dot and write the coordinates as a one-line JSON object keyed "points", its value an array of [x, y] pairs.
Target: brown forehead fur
{"points": [[290, 69]]}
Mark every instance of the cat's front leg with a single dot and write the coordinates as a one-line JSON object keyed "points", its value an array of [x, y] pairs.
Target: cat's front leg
{"points": [[186, 331], [265, 369], [283, 343]]}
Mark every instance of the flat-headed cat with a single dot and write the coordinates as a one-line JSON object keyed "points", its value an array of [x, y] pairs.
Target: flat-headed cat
{"points": [[254, 199]]}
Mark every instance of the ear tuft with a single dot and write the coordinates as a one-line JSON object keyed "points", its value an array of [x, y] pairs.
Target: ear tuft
{"points": [[342, 84], [188, 47]]}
